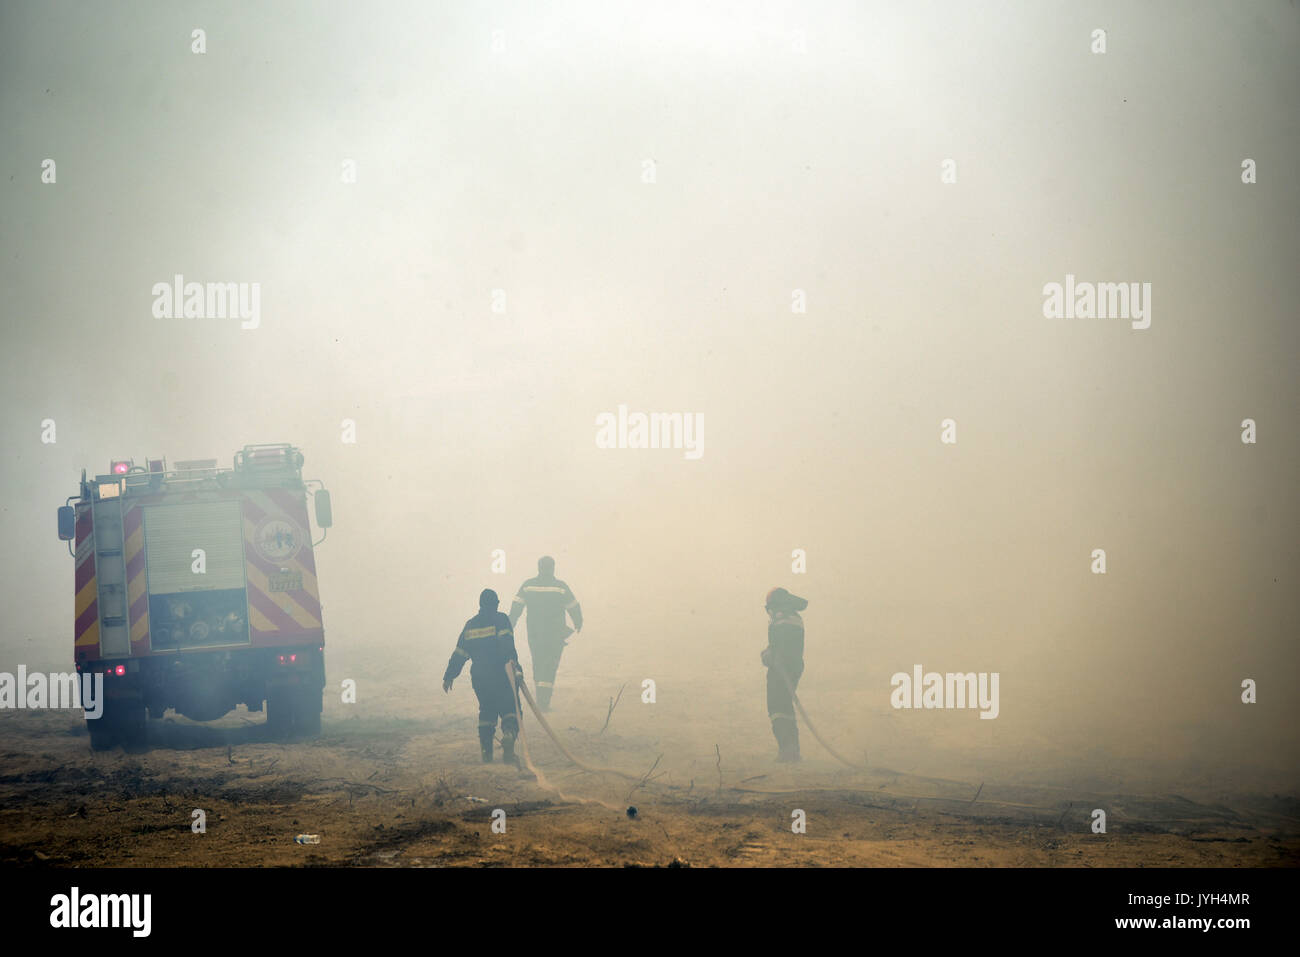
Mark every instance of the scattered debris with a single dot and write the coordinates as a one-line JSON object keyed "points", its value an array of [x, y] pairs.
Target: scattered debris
{"points": [[631, 813], [307, 839]]}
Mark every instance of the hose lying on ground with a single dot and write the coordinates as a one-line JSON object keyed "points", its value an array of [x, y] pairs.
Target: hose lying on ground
{"points": [[560, 744], [543, 783], [808, 721], [520, 687], [528, 761]]}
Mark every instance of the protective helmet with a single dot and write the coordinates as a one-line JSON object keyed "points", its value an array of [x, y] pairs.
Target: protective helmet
{"points": [[778, 599]]}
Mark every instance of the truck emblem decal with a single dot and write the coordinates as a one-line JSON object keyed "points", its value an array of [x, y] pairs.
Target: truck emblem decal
{"points": [[278, 539]]}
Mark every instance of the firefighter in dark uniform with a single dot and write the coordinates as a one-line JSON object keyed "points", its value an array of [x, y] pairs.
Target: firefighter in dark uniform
{"points": [[548, 600], [488, 640], [783, 657]]}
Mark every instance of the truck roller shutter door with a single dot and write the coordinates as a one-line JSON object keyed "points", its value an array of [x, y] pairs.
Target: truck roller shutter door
{"points": [[173, 532]]}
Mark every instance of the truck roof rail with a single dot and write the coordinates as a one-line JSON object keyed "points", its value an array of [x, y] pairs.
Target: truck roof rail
{"points": [[276, 455]]}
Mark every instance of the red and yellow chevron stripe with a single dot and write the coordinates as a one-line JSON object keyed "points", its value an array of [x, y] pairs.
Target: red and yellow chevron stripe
{"points": [[137, 596], [85, 631], [283, 597]]}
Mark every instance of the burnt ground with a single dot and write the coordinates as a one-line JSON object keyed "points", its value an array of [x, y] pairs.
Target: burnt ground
{"points": [[401, 785]]}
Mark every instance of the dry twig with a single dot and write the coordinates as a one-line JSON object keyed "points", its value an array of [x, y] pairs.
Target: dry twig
{"points": [[613, 703], [645, 777]]}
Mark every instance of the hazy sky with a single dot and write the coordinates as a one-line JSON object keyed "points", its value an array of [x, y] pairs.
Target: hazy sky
{"points": [[794, 146]]}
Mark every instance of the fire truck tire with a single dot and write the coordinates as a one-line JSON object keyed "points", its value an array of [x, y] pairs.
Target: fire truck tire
{"points": [[128, 715], [101, 733], [307, 716], [279, 711]]}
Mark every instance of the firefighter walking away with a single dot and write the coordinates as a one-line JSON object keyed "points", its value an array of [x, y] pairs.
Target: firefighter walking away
{"points": [[548, 600], [488, 642], [783, 658]]}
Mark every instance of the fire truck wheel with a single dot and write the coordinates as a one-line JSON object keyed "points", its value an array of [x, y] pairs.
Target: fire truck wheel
{"points": [[101, 734], [130, 720], [279, 711], [307, 718]]}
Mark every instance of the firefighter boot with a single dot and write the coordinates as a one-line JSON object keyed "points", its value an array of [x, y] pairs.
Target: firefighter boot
{"points": [[787, 739], [508, 749], [485, 734]]}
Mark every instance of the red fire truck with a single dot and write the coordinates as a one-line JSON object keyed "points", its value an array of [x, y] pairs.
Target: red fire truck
{"points": [[195, 590]]}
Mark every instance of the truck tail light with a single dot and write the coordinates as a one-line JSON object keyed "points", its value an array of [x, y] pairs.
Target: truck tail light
{"points": [[120, 670]]}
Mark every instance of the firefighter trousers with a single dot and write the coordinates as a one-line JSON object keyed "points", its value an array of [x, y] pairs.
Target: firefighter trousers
{"points": [[546, 648], [780, 705], [495, 701]]}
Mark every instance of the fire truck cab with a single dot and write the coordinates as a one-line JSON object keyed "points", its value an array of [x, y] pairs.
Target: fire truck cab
{"points": [[195, 589]]}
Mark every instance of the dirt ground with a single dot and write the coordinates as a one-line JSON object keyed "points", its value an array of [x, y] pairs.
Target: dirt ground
{"points": [[399, 783]]}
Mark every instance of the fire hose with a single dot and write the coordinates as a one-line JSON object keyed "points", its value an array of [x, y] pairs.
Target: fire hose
{"points": [[858, 767], [780, 669], [521, 688], [542, 782]]}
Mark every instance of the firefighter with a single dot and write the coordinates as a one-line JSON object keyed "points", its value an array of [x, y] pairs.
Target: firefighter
{"points": [[783, 658], [547, 600], [488, 641]]}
